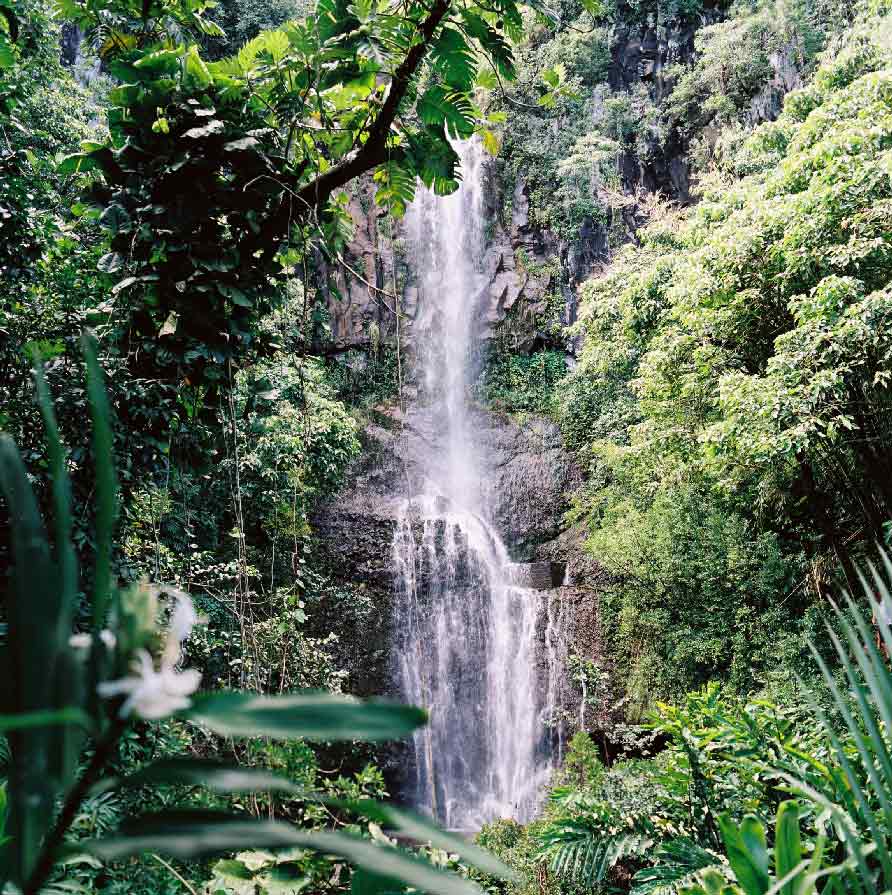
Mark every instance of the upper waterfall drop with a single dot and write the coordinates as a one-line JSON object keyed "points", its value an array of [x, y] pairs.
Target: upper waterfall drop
{"points": [[468, 646]]}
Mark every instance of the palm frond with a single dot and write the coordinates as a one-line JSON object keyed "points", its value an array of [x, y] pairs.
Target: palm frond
{"points": [[859, 792]]}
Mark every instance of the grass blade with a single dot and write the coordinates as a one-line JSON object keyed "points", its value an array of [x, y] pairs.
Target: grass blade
{"points": [[106, 484], [62, 518]]}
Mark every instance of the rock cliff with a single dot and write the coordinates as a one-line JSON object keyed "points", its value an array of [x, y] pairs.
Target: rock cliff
{"points": [[532, 274], [531, 479]]}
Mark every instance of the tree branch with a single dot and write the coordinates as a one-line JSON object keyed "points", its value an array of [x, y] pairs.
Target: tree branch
{"points": [[374, 151]]}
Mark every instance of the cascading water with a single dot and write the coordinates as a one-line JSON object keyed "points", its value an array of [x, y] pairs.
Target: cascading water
{"points": [[468, 646]]}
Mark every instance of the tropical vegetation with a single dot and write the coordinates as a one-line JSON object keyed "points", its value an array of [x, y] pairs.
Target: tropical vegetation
{"points": [[184, 676]]}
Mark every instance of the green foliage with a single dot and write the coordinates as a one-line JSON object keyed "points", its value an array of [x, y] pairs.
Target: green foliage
{"points": [[42, 112], [211, 168], [711, 812], [541, 145], [517, 846], [297, 439], [586, 848], [361, 379], [582, 767], [519, 383], [724, 758], [243, 20], [731, 395], [698, 594], [738, 58], [57, 687]]}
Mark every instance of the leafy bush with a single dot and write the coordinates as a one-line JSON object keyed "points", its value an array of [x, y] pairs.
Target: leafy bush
{"points": [[523, 383], [657, 818], [732, 392], [359, 379]]}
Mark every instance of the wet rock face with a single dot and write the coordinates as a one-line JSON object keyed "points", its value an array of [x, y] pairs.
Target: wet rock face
{"points": [[528, 483], [640, 56], [570, 627], [69, 43], [768, 103], [360, 286], [530, 479]]}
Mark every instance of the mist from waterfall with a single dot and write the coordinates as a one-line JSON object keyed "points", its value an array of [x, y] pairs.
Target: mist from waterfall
{"points": [[467, 645]]}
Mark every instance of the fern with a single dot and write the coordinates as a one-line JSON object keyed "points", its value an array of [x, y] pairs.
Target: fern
{"points": [[585, 847], [586, 856], [679, 863]]}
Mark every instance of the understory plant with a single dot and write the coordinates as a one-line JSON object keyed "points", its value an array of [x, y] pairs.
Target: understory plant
{"points": [[712, 814], [70, 697]]}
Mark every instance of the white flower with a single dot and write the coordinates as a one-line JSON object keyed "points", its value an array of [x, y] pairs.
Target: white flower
{"points": [[153, 694], [182, 620], [85, 641], [80, 641]]}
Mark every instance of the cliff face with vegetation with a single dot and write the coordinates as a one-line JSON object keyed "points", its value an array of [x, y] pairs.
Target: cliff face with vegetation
{"points": [[649, 105], [643, 98]]}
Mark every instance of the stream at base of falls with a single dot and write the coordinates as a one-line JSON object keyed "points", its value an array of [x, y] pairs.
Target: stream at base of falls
{"points": [[478, 651]]}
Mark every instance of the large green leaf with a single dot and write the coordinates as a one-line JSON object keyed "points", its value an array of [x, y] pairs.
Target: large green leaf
{"points": [[33, 605], [493, 43], [106, 484], [34, 602], [787, 844], [412, 826], [45, 718], [58, 457], [77, 163], [213, 775], [395, 188], [453, 60], [450, 110], [312, 716], [192, 835], [747, 853]]}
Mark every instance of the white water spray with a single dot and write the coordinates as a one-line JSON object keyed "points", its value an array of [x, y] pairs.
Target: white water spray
{"points": [[468, 645]]}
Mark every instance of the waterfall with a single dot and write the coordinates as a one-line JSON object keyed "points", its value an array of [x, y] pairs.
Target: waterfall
{"points": [[467, 644]]}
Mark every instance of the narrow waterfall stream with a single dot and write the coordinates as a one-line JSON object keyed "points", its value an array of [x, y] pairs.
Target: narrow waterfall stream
{"points": [[468, 648]]}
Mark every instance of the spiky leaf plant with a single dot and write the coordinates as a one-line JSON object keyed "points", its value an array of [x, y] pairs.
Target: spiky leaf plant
{"points": [[844, 790], [855, 791]]}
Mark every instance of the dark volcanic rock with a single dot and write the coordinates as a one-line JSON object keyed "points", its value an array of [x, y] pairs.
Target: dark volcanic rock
{"points": [[533, 477], [530, 477]]}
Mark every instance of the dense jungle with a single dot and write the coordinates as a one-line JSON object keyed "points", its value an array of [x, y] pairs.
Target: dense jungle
{"points": [[445, 447]]}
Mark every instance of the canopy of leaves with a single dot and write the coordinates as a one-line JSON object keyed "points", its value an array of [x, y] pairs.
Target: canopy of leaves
{"points": [[212, 169]]}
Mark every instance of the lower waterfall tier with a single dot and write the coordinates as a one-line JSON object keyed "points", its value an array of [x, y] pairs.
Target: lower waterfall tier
{"points": [[450, 595], [466, 649]]}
